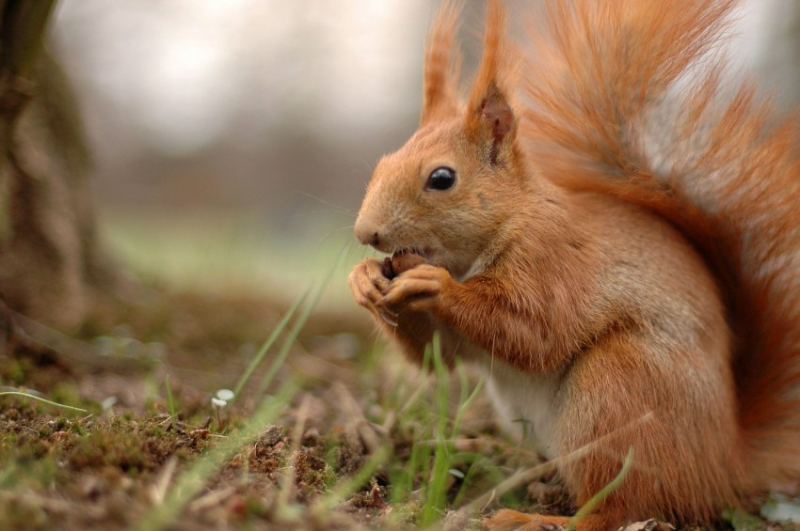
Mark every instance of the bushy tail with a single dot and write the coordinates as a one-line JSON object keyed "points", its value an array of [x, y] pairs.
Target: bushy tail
{"points": [[602, 115]]}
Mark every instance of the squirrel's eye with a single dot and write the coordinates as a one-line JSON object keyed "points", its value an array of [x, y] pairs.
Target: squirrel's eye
{"points": [[441, 178]]}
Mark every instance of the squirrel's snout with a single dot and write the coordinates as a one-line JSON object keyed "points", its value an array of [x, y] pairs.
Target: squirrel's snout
{"points": [[366, 232]]}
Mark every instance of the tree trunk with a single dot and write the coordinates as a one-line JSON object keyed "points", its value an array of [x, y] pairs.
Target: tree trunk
{"points": [[49, 264]]}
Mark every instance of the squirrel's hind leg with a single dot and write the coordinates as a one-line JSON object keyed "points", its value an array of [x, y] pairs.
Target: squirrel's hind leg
{"points": [[672, 407]]}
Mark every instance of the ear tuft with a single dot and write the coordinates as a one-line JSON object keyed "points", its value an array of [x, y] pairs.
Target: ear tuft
{"points": [[490, 120], [442, 66]]}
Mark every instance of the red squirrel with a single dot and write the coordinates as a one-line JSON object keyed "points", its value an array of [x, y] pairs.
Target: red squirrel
{"points": [[612, 234]]}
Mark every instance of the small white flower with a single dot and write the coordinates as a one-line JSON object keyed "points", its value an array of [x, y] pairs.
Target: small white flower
{"points": [[218, 402], [225, 394], [108, 402]]}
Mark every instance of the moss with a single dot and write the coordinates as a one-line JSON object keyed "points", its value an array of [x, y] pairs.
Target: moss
{"points": [[131, 446]]}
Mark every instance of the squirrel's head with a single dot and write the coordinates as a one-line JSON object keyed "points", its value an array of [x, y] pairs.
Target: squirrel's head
{"points": [[448, 191]]}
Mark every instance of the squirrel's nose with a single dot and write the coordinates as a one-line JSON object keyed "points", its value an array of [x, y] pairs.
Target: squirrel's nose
{"points": [[367, 232]]}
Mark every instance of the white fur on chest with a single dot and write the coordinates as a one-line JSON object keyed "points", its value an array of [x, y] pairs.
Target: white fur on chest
{"points": [[525, 402]]}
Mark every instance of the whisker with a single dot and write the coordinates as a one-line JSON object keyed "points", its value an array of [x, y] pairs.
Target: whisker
{"points": [[335, 207]]}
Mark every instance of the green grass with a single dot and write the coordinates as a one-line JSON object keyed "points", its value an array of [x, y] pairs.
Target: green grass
{"points": [[445, 431], [613, 485], [419, 485], [429, 469], [266, 346], [170, 399], [43, 400]]}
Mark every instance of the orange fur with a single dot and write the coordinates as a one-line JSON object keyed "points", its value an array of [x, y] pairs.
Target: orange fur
{"points": [[623, 246]]}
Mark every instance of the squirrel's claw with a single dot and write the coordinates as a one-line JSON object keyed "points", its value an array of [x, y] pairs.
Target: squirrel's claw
{"points": [[388, 317]]}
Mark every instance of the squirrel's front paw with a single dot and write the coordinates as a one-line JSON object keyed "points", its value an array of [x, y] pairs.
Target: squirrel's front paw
{"points": [[368, 283], [417, 289]]}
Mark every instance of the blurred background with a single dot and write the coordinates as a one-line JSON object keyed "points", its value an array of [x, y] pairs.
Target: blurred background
{"points": [[232, 140]]}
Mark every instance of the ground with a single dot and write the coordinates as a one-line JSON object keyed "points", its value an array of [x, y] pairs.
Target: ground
{"points": [[146, 374], [342, 434]]}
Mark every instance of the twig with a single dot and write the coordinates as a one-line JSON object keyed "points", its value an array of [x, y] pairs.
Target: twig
{"points": [[526, 476], [287, 481], [159, 490]]}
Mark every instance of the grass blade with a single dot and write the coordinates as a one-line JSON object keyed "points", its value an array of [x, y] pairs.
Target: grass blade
{"points": [[613, 485], [436, 492], [283, 353], [40, 399], [347, 487], [170, 399], [281, 326]]}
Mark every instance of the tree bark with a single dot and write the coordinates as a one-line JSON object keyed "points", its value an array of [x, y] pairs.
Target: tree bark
{"points": [[49, 264]]}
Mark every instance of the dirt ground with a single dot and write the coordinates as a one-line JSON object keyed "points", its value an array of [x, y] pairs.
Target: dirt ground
{"points": [[108, 468], [145, 373]]}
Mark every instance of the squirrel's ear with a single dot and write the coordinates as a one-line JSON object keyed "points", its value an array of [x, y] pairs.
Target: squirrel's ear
{"points": [[490, 121], [442, 65]]}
